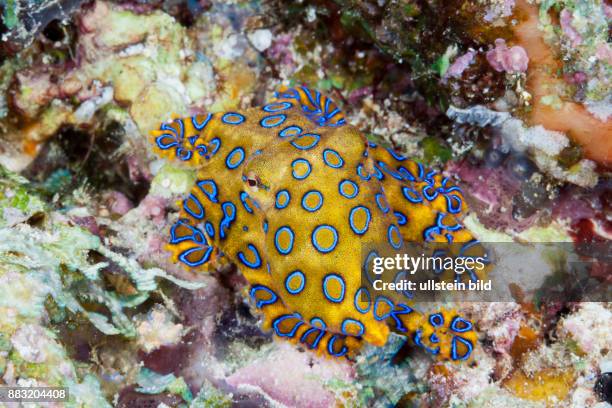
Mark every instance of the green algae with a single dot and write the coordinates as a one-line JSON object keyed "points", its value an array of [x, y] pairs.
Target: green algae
{"points": [[211, 397], [382, 381], [150, 382], [48, 270]]}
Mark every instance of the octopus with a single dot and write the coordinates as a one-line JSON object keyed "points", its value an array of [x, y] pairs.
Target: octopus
{"points": [[294, 196]]}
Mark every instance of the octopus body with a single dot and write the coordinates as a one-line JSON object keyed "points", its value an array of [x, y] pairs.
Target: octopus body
{"points": [[292, 194]]}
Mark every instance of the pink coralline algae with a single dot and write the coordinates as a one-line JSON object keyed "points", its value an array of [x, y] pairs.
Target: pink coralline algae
{"points": [[280, 50], [154, 207], [504, 59], [460, 64], [604, 53], [499, 10], [568, 29], [293, 378], [118, 203]]}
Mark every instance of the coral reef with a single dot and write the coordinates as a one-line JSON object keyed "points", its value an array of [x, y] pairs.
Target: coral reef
{"points": [[508, 99]]}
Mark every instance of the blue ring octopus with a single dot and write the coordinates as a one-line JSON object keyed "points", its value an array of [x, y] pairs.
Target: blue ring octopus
{"points": [[290, 193]]}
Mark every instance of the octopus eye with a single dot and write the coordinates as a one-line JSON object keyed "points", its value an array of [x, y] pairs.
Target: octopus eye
{"points": [[252, 180]]}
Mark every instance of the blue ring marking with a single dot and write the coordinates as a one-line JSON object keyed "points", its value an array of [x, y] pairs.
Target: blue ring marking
{"points": [[468, 344], [196, 235], [365, 270], [439, 223], [284, 251], [302, 136], [433, 338], [395, 155], [314, 328], [372, 144], [428, 233], [213, 147], [328, 102], [255, 264], [361, 171], [289, 93], [212, 196], [280, 319], [336, 278], [183, 154], [411, 195], [381, 202], [296, 130], [316, 244], [165, 146], [205, 257], [436, 319], [397, 244], [400, 309], [265, 226], [406, 173], [217, 144], [268, 267], [317, 108], [259, 302], [342, 186], [200, 126], [439, 253], [352, 222], [276, 119], [301, 161], [277, 106], [401, 218], [229, 215], [229, 160], [457, 320], [377, 173], [453, 209], [418, 342], [399, 276], [179, 135], [355, 322], [377, 302], [193, 199], [357, 300], [282, 194], [318, 321], [421, 170], [330, 347], [193, 139], [390, 171], [291, 276], [305, 197], [210, 229], [332, 152], [202, 149], [243, 198], [232, 118], [429, 196]]}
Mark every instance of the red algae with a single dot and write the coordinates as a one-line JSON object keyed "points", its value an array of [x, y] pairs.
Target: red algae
{"points": [[572, 118]]}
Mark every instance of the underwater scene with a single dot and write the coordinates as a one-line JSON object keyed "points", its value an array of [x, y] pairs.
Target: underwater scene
{"points": [[312, 203]]}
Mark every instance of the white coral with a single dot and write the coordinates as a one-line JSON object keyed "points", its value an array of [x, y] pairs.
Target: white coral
{"points": [[156, 329]]}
